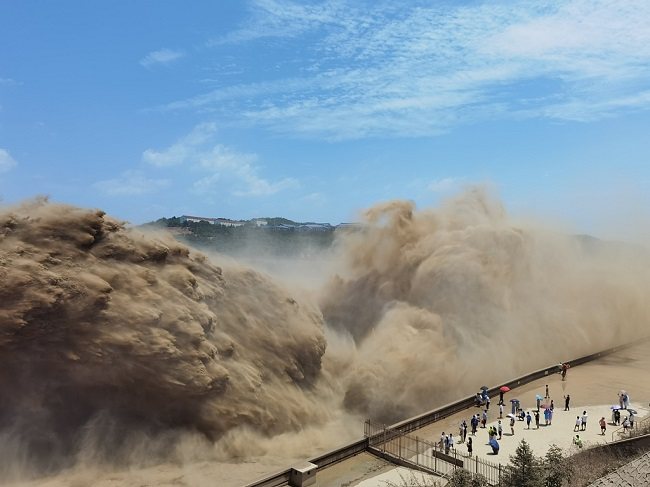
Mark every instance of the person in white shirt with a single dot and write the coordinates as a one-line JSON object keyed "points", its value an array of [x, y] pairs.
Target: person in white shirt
{"points": [[578, 424], [584, 420]]}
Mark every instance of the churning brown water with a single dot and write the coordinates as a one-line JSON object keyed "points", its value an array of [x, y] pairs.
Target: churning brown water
{"points": [[124, 348]]}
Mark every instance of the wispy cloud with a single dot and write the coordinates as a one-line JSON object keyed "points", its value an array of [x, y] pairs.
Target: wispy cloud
{"points": [[443, 185], [161, 57], [280, 18], [131, 183], [223, 165], [8, 81], [6, 161], [420, 70], [186, 149]]}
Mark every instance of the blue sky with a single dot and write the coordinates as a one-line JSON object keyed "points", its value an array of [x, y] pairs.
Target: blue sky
{"points": [[314, 110]]}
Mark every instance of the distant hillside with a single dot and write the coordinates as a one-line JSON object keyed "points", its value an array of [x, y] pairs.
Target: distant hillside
{"points": [[266, 236]]}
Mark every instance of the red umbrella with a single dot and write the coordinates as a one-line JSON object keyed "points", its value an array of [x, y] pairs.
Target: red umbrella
{"points": [[504, 388]]}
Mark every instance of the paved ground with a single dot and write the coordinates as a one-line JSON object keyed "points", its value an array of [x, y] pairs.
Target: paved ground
{"points": [[593, 387], [634, 474]]}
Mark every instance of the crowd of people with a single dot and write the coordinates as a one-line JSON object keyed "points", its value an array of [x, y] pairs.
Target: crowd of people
{"points": [[495, 432]]}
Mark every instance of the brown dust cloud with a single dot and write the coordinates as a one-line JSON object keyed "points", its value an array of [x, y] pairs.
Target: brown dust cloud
{"points": [[122, 349]]}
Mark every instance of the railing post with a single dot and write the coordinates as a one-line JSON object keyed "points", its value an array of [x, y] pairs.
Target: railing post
{"points": [[435, 458], [399, 446]]}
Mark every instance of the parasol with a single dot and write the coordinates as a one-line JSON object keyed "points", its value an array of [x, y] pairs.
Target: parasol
{"points": [[504, 388]]}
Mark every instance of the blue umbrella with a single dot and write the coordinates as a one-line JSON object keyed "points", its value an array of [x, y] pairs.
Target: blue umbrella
{"points": [[514, 400], [539, 397]]}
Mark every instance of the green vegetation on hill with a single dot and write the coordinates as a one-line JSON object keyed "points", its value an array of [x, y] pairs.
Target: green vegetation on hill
{"points": [[279, 237]]}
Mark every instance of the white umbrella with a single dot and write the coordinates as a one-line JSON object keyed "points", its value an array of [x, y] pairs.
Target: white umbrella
{"points": [[510, 415]]}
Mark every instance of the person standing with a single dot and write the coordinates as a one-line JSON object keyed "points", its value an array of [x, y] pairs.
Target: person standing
{"points": [[603, 425], [442, 440], [451, 440], [469, 447], [446, 445], [547, 396], [537, 419], [484, 418], [474, 424], [487, 402], [528, 419], [552, 407], [500, 397], [464, 431], [501, 411], [500, 429], [626, 424], [584, 420], [546, 415], [578, 424], [631, 418], [567, 400], [512, 426]]}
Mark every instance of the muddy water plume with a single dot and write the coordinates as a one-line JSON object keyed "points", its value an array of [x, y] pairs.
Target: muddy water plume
{"points": [[128, 348], [109, 331], [441, 302]]}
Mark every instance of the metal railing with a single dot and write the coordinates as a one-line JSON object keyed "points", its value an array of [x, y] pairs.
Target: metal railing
{"points": [[639, 425], [428, 455]]}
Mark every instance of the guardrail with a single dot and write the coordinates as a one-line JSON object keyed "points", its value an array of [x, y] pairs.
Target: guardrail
{"points": [[427, 456], [325, 460], [639, 425], [424, 419]]}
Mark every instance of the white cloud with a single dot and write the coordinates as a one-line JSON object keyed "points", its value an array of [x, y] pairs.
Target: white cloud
{"points": [[132, 183], [186, 149], [8, 81], [443, 185], [161, 57], [6, 161], [281, 18], [420, 70], [225, 166]]}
